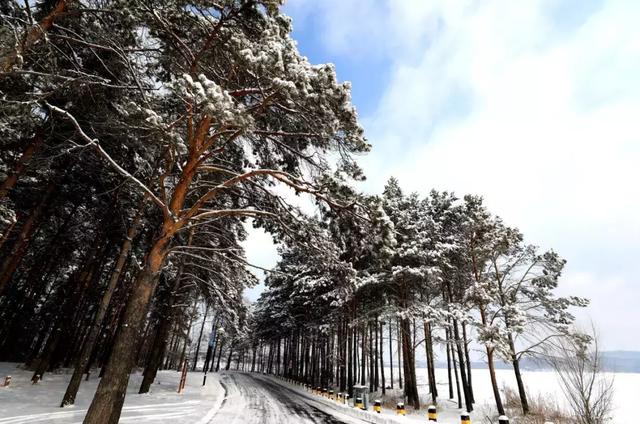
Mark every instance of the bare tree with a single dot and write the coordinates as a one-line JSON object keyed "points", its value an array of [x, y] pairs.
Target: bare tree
{"points": [[589, 391]]}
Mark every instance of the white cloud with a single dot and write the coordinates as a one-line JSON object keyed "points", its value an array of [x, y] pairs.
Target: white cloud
{"points": [[546, 129], [531, 105]]}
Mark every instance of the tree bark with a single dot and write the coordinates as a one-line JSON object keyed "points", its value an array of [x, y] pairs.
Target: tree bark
{"points": [[516, 369], [90, 342], [111, 391], [204, 320], [382, 358], [410, 384], [32, 36], [21, 164], [31, 224]]}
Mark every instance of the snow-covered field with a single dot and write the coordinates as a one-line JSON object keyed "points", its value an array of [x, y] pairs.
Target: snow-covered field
{"points": [[543, 383], [23, 402]]}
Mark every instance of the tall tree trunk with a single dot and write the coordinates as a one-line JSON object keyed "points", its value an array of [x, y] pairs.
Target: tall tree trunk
{"points": [[33, 34], [468, 361], [448, 346], [219, 355], [410, 384], [372, 360], [21, 164], [391, 353], [455, 372], [113, 385], [463, 369], [90, 342], [204, 319], [492, 370], [428, 344], [28, 228], [399, 340], [494, 382], [226, 368], [382, 358], [516, 369], [159, 346]]}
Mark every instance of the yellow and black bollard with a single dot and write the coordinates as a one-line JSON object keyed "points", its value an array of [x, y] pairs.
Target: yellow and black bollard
{"points": [[432, 413], [377, 406], [331, 392], [400, 409], [465, 418], [359, 404], [324, 392], [503, 420]]}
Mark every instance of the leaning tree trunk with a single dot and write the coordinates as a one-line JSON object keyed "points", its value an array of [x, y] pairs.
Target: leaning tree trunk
{"points": [[494, 382], [31, 224], [516, 369], [21, 164], [87, 349], [33, 34], [106, 404], [492, 369]]}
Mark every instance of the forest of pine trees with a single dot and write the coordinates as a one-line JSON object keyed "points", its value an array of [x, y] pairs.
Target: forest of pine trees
{"points": [[140, 139]]}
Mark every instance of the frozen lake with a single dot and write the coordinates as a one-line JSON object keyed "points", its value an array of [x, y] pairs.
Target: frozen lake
{"points": [[627, 388]]}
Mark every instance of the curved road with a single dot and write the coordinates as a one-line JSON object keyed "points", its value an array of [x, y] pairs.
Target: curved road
{"points": [[252, 398]]}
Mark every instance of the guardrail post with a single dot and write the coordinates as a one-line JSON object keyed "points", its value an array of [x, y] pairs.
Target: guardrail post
{"points": [[432, 413]]}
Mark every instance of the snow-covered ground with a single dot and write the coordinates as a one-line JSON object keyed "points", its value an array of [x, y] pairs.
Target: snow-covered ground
{"points": [[244, 398], [23, 402]]}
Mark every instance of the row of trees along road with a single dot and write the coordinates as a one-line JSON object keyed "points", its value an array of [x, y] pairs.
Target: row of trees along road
{"points": [[139, 138], [438, 273]]}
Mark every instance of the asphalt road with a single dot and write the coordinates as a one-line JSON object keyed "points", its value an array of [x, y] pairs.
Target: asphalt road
{"points": [[252, 398]]}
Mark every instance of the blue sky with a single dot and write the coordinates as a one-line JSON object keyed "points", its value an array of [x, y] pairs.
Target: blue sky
{"points": [[533, 105]]}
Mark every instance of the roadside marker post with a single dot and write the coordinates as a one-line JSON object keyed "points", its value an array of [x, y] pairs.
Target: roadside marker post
{"points": [[359, 404], [377, 405], [331, 392], [432, 413], [503, 420], [465, 418], [400, 409]]}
